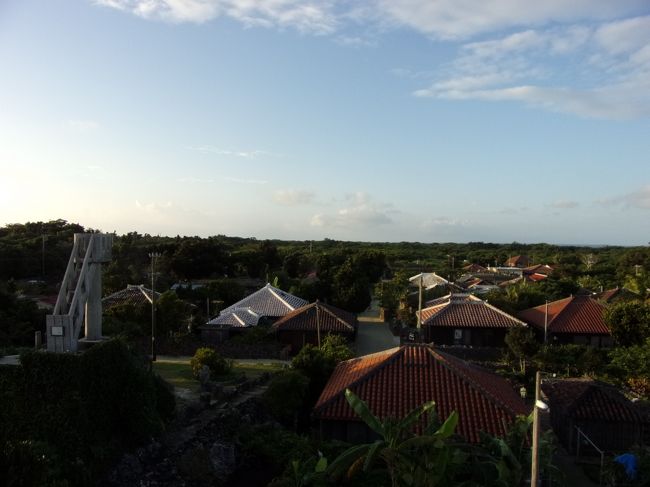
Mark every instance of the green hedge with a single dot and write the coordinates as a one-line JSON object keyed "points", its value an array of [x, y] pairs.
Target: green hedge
{"points": [[83, 410]]}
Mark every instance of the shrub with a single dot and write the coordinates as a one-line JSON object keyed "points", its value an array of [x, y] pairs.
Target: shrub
{"points": [[70, 416], [215, 362], [286, 395]]}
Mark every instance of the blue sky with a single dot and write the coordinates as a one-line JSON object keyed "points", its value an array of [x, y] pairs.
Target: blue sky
{"points": [[419, 120]]}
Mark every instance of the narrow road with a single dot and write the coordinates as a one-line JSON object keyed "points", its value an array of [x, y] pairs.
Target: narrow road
{"points": [[374, 336]]}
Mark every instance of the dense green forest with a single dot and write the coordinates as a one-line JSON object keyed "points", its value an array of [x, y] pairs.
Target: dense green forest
{"points": [[33, 257]]}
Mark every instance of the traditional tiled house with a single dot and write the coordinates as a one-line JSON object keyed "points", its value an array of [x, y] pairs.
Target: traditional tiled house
{"points": [[396, 381], [268, 303], [577, 319], [616, 295], [518, 261], [305, 325], [133, 295], [600, 411], [463, 319]]}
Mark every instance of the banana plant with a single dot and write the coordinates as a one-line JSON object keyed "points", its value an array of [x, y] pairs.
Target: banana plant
{"points": [[422, 460]]}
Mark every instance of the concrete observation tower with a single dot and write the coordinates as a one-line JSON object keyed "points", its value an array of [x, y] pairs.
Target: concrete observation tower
{"points": [[79, 304]]}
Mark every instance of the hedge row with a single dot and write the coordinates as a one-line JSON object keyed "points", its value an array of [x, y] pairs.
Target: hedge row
{"points": [[64, 418]]}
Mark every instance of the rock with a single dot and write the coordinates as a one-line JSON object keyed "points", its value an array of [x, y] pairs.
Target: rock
{"points": [[223, 459]]}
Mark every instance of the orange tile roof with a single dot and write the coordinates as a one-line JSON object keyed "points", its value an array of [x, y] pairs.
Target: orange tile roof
{"points": [[576, 315], [466, 311], [518, 261], [396, 381], [330, 319], [590, 400]]}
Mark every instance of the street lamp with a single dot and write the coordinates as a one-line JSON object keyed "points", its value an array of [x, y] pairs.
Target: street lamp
{"points": [[153, 256]]}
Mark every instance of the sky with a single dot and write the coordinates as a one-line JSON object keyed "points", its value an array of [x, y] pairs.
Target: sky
{"points": [[378, 120]]}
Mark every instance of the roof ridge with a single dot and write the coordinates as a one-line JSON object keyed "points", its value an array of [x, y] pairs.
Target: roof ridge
{"points": [[468, 380], [507, 315], [329, 311], [272, 290], [392, 357], [142, 290]]}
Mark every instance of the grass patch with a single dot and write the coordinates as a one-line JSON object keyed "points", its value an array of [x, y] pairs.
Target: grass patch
{"points": [[179, 373]]}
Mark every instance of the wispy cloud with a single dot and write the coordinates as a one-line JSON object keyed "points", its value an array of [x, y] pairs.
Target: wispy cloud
{"points": [[589, 58], [440, 222], [360, 211], [245, 181], [244, 154], [304, 16], [639, 198], [190, 179], [451, 19], [564, 204], [291, 197], [83, 125], [608, 64]]}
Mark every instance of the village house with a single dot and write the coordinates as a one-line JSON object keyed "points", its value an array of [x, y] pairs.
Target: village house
{"points": [[312, 322], [266, 304], [396, 381], [577, 319], [464, 319], [594, 409]]}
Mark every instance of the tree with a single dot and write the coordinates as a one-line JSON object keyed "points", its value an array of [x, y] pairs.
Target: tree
{"points": [[629, 323], [286, 396], [172, 314], [351, 291], [411, 460], [521, 342]]}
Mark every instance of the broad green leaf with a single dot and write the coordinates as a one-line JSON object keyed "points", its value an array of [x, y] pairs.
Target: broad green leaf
{"points": [[321, 465], [449, 426], [362, 410]]}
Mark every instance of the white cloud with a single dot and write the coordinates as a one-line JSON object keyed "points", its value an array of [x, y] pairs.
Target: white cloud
{"points": [[245, 181], [564, 204], [596, 72], [440, 222], [83, 125], [291, 197], [458, 19], [314, 17], [190, 179], [360, 211], [639, 198], [244, 154]]}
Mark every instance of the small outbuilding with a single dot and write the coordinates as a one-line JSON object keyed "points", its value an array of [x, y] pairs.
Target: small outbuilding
{"points": [[312, 322], [594, 409]]}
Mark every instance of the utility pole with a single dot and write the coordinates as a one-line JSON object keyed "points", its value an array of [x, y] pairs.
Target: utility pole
{"points": [[539, 404], [317, 323], [419, 325], [44, 237], [546, 322], [153, 256]]}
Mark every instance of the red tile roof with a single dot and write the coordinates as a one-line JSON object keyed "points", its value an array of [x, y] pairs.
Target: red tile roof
{"points": [[396, 381], [518, 261], [474, 268], [576, 315], [539, 269], [467, 311], [616, 295], [590, 400], [327, 317]]}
